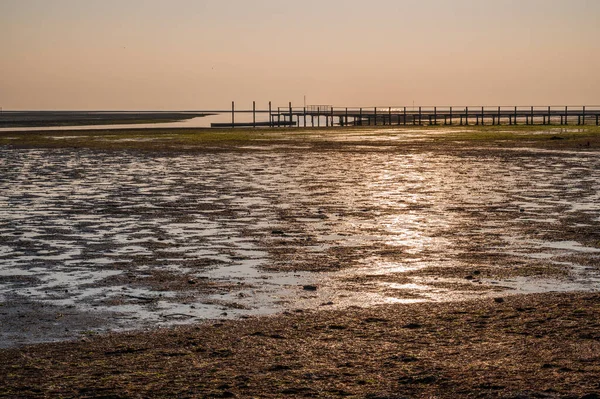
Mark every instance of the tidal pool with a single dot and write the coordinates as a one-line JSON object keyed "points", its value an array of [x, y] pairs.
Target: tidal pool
{"points": [[93, 241]]}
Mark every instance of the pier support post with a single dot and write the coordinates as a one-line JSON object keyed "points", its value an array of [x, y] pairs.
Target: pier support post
{"points": [[499, 115], [233, 114], [360, 116], [390, 116], [254, 114], [331, 116], [270, 116], [549, 116], [450, 116], [435, 115], [404, 115], [466, 116], [566, 115], [532, 115], [515, 119], [291, 117], [346, 116], [583, 116], [304, 116], [420, 117], [375, 116]]}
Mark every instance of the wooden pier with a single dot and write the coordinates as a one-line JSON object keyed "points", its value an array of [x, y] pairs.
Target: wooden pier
{"points": [[328, 116]]}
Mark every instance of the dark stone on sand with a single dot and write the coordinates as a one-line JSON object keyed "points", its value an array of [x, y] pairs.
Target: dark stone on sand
{"points": [[191, 281], [89, 392], [336, 327], [404, 358], [412, 326], [428, 379], [309, 287], [277, 232], [375, 320], [499, 300], [297, 391], [529, 395], [469, 277], [280, 367], [492, 387], [591, 396], [556, 138], [221, 353]]}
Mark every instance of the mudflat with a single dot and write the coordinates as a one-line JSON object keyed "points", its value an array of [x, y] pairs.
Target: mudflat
{"points": [[395, 261]]}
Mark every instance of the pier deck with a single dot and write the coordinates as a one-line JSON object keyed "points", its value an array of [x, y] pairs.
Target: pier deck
{"points": [[444, 115], [327, 115]]}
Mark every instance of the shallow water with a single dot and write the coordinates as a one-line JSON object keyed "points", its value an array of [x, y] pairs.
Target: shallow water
{"points": [[143, 240], [198, 122]]}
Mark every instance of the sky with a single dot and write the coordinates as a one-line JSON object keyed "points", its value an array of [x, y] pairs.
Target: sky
{"points": [[203, 54]]}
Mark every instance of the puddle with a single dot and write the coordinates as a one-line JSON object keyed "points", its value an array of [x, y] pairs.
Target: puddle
{"points": [[147, 240]]}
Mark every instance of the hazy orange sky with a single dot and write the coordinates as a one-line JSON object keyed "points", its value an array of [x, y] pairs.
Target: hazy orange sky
{"points": [[199, 54]]}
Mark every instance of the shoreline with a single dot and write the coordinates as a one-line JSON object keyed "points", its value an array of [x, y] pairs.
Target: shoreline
{"points": [[527, 346]]}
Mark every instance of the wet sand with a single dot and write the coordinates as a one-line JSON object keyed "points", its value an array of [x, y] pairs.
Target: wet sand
{"points": [[109, 231], [536, 346]]}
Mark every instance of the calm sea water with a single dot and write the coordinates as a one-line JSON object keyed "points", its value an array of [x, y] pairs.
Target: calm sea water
{"points": [[199, 122]]}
